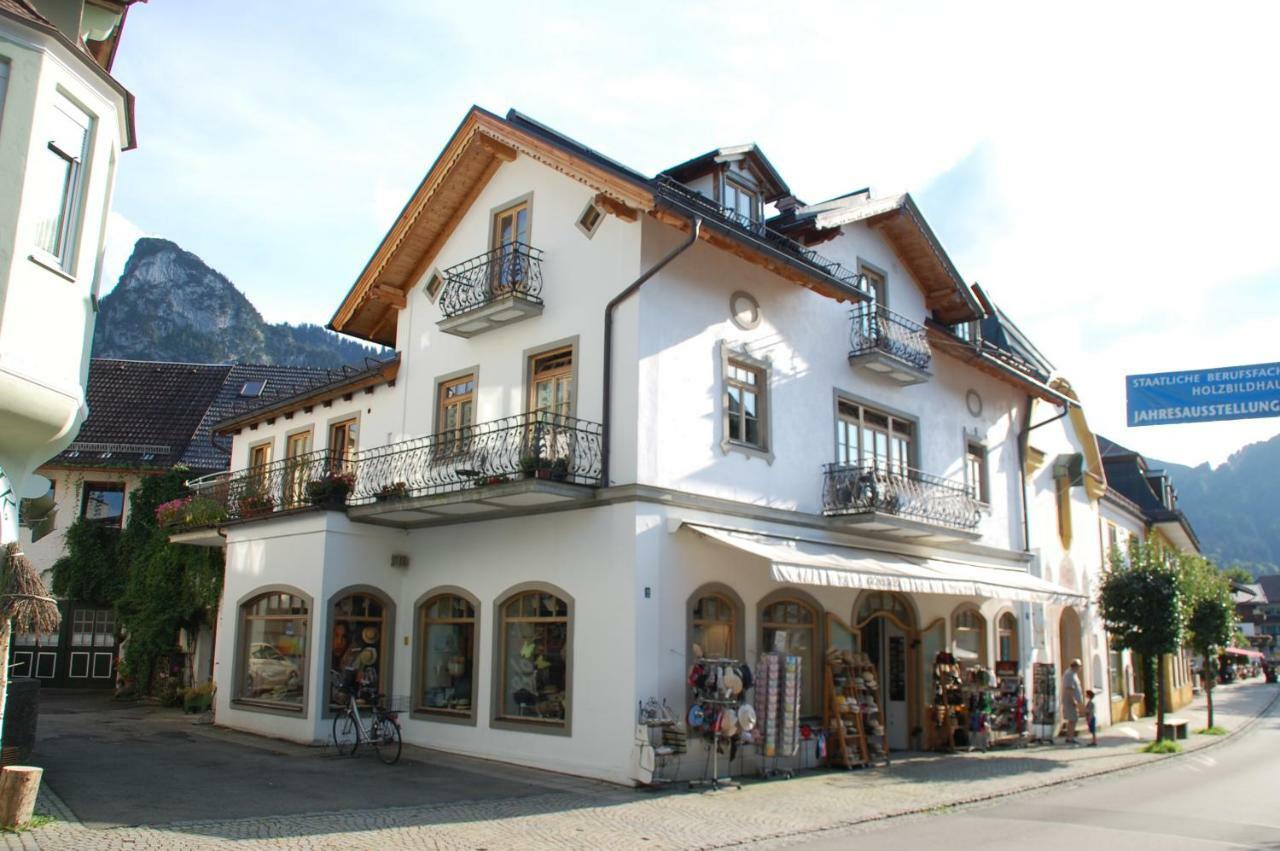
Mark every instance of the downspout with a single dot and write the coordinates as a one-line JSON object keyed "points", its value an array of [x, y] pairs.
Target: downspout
{"points": [[695, 228]]}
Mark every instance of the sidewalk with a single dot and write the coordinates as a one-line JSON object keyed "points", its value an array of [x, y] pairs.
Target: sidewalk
{"points": [[605, 817]]}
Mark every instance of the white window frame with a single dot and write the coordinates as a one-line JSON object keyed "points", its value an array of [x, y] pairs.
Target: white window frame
{"points": [[764, 403], [63, 258]]}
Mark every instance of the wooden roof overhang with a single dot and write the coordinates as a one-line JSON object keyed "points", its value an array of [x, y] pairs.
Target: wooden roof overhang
{"points": [[367, 379], [759, 252], [944, 341], [480, 145], [915, 243]]}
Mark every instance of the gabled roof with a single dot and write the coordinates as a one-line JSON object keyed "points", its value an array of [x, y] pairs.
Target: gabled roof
{"points": [[689, 169], [151, 415], [1271, 587], [1129, 474], [325, 386], [903, 225]]}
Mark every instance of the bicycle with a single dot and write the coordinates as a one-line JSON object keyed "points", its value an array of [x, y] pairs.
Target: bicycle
{"points": [[349, 730]]}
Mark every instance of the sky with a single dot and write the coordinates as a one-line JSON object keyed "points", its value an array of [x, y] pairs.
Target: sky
{"points": [[1107, 172]]}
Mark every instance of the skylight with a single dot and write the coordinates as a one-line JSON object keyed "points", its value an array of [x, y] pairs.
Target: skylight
{"points": [[253, 388]]}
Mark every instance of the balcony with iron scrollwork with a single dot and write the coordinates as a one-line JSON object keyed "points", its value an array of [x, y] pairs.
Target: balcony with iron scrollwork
{"points": [[529, 461], [308, 482], [887, 344], [494, 289], [900, 501]]}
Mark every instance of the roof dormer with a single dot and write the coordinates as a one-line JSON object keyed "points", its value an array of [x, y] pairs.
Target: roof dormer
{"points": [[740, 179]]}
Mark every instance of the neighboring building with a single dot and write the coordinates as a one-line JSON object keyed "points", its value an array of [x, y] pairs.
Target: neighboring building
{"points": [[741, 437], [146, 417], [64, 120], [1142, 502], [1269, 627]]}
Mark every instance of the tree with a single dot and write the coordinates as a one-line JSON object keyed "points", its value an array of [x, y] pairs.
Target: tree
{"points": [[1142, 603], [1211, 614], [1236, 573]]}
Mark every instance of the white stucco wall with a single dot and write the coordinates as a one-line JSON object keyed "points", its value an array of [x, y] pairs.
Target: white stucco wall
{"points": [[67, 496]]}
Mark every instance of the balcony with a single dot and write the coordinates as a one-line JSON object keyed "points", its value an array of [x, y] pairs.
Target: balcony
{"points": [[882, 342], [513, 465], [497, 288], [313, 481], [692, 201], [900, 502]]}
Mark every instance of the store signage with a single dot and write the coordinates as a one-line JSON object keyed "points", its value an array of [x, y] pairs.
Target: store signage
{"points": [[1204, 395]]}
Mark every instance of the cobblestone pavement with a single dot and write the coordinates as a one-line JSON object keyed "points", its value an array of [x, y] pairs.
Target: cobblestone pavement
{"points": [[597, 816]]}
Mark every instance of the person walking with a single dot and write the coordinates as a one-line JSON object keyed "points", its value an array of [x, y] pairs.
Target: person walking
{"points": [[1091, 718], [1072, 700]]}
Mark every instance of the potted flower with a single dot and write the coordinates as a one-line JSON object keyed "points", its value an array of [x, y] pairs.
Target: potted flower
{"points": [[173, 512], [393, 490], [253, 504], [198, 698], [560, 469], [535, 466], [330, 491]]}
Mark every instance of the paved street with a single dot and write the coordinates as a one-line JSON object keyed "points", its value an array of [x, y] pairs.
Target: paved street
{"points": [[139, 777], [1227, 797]]}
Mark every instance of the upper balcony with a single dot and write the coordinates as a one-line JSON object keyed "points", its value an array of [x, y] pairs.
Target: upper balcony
{"points": [[499, 287], [887, 344], [900, 501]]}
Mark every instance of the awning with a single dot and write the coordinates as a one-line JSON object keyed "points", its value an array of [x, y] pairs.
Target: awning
{"points": [[1240, 651], [809, 563]]}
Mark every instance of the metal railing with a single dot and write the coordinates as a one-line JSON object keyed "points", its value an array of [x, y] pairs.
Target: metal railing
{"points": [[676, 192], [875, 328], [902, 491], [514, 269], [291, 484], [531, 445]]}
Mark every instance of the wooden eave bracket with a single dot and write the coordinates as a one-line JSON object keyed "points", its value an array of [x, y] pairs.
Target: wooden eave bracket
{"points": [[615, 207], [499, 149], [388, 295]]}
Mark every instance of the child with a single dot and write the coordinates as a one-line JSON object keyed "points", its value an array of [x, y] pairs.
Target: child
{"points": [[1091, 718]]}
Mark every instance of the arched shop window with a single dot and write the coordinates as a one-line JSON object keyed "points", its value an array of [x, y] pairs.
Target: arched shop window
{"points": [[533, 659], [714, 625], [273, 650], [447, 656], [969, 636], [361, 640], [799, 621], [1007, 638]]}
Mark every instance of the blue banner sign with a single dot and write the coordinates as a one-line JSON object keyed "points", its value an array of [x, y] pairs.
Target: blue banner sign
{"points": [[1204, 395]]}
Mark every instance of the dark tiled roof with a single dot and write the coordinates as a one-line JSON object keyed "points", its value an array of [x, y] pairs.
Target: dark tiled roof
{"points": [[319, 381], [153, 415], [1128, 475], [1270, 587], [204, 452]]}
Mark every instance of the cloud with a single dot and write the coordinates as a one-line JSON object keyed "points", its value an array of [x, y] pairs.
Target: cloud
{"points": [[121, 236]]}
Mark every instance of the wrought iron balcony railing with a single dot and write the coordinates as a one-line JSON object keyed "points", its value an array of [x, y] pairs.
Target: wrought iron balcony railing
{"points": [[875, 328], [676, 192], [530, 445], [514, 269], [901, 491], [304, 481]]}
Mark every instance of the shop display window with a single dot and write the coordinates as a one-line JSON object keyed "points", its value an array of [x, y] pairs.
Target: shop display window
{"points": [[533, 658], [713, 625], [273, 649], [1007, 638], [360, 641], [446, 676], [798, 621], [969, 637]]}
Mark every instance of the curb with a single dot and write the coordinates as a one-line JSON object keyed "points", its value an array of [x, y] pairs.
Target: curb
{"points": [[993, 796]]}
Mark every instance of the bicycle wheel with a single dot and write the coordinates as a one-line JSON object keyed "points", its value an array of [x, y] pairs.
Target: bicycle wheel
{"points": [[346, 738], [386, 740]]}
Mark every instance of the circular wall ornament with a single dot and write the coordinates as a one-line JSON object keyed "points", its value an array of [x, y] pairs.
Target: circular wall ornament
{"points": [[973, 402], [744, 310]]}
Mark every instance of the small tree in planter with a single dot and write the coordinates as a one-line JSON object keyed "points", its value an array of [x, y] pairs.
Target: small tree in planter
{"points": [[560, 469], [331, 490], [535, 466], [1142, 603]]}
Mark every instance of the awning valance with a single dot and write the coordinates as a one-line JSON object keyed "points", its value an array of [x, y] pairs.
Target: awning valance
{"points": [[1241, 651], [810, 563]]}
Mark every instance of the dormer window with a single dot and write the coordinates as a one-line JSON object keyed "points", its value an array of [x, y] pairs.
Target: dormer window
{"points": [[741, 199]]}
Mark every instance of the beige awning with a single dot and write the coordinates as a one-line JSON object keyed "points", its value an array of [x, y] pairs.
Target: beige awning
{"points": [[810, 563]]}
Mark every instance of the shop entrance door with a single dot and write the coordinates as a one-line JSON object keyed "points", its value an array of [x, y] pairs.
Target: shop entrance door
{"points": [[886, 643]]}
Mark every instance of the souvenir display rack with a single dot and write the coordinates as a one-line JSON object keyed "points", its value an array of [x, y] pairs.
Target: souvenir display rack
{"points": [[1044, 697], [1009, 706], [777, 708], [667, 739], [719, 690], [948, 702], [852, 711]]}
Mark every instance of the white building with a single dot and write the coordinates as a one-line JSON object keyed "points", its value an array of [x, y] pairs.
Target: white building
{"points": [[63, 122], [740, 436]]}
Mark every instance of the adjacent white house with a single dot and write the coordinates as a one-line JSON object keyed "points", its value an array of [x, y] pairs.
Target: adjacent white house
{"points": [[627, 414], [64, 120]]}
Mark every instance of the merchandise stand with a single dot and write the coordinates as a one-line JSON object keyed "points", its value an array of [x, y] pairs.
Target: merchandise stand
{"points": [[852, 713], [715, 781], [719, 693], [1044, 697], [777, 693], [1009, 716]]}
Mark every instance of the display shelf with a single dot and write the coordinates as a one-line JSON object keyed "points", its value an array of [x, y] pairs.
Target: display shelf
{"points": [[852, 712]]}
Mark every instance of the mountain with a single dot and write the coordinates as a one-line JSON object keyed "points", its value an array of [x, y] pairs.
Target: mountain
{"points": [[1233, 507], [170, 306]]}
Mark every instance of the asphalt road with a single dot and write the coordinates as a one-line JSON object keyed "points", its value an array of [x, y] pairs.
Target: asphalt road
{"points": [[1226, 797]]}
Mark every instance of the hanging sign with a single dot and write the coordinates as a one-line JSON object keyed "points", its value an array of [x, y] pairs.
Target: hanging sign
{"points": [[1204, 395]]}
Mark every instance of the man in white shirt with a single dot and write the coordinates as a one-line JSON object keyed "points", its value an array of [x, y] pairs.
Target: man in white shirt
{"points": [[1072, 700]]}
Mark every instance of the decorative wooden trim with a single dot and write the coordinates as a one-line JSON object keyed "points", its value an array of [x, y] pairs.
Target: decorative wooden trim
{"points": [[615, 207], [388, 295]]}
